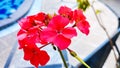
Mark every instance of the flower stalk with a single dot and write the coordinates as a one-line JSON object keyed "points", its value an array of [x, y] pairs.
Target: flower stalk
{"points": [[73, 54], [80, 60], [63, 59]]}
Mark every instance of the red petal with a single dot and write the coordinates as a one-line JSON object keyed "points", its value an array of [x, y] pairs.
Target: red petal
{"points": [[21, 44], [43, 57], [64, 10], [69, 32], [35, 60], [48, 35], [78, 15], [40, 57], [26, 23], [40, 16], [33, 35], [29, 37], [83, 26], [21, 34], [27, 53], [58, 22], [62, 42]]}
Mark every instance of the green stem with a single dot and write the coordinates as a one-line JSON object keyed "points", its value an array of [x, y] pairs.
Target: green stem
{"points": [[78, 58], [65, 64]]}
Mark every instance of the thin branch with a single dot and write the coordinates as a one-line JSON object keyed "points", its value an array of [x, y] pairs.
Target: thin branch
{"points": [[111, 42]]}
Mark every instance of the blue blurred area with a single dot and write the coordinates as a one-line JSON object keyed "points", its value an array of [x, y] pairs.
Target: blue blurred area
{"points": [[7, 7]]}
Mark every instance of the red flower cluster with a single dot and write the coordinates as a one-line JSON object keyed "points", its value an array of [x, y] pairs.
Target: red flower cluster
{"points": [[44, 28]]}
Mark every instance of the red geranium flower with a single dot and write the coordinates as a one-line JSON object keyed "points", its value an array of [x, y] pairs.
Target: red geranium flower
{"points": [[40, 16], [35, 55], [57, 32], [45, 28], [26, 23], [34, 20], [42, 19], [81, 22], [78, 15], [66, 12], [29, 37]]}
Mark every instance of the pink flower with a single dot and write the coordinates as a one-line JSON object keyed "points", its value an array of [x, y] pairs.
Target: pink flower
{"points": [[35, 55], [57, 32], [81, 22], [77, 16]]}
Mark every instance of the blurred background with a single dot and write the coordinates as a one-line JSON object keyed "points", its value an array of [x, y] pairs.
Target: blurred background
{"points": [[13, 10]]}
